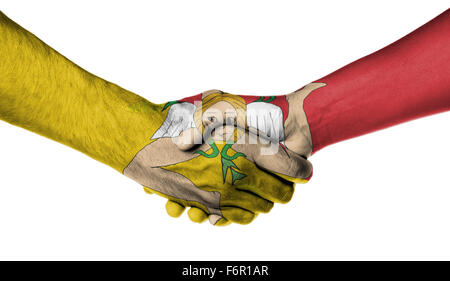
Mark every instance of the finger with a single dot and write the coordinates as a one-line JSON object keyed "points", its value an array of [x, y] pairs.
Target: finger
{"points": [[238, 215], [268, 180], [276, 157], [247, 200], [294, 180], [174, 209], [278, 191], [214, 218], [148, 190], [197, 215]]}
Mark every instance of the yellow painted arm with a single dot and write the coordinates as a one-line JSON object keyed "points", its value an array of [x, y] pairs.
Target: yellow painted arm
{"points": [[44, 92]]}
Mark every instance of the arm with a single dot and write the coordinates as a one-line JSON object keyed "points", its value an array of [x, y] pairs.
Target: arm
{"points": [[406, 80]]}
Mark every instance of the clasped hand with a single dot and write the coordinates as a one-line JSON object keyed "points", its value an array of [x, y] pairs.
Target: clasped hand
{"points": [[227, 157]]}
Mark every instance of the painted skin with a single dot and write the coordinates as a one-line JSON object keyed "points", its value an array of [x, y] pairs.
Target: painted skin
{"points": [[42, 91], [234, 148], [114, 126]]}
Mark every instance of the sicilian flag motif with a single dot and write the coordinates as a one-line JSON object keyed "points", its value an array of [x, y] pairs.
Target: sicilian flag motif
{"points": [[265, 114]]}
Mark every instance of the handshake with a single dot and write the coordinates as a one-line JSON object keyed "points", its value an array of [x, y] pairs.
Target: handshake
{"points": [[227, 157]]}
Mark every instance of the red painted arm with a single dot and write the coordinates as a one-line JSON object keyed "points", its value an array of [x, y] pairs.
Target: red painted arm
{"points": [[406, 80]]}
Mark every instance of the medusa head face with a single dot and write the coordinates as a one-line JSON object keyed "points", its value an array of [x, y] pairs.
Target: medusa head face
{"points": [[221, 114]]}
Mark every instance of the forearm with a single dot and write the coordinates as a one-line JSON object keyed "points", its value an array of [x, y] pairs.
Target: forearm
{"points": [[44, 92], [406, 80]]}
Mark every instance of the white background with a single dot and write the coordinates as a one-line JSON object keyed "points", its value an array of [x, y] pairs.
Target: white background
{"points": [[381, 196]]}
